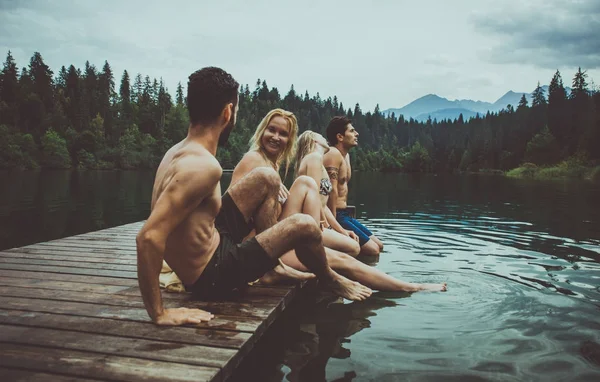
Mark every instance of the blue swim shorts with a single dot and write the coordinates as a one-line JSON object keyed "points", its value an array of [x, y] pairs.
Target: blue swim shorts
{"points": [[348, 222]]}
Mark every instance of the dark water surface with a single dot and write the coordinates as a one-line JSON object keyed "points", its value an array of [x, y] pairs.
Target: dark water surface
{"points": [[521, 260]]}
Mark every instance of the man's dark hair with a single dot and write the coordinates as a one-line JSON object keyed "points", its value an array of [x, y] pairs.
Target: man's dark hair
{"points": [[336, 126], [209, 90]]}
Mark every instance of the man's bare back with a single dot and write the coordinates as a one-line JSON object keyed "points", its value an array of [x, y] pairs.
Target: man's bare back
{"points": [[192, 244]]}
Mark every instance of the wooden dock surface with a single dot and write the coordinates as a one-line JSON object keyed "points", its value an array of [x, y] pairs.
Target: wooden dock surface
{"points": [[71, 309]]}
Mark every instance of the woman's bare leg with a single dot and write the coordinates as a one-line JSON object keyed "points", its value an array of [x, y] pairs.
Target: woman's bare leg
{"points": [[335, 240], [303, 198]]}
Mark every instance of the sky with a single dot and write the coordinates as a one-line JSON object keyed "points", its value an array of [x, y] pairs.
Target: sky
{"points": [[386, 52]]}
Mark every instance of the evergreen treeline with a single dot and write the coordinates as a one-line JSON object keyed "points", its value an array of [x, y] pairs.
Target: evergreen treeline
{"points": [[79, 118]]}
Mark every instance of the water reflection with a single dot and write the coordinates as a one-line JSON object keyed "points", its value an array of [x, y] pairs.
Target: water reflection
{"points": [[323, 333]]}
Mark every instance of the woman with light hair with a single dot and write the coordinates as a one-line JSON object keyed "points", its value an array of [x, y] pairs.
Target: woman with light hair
{"points": [[309, 162], [272, 145]]}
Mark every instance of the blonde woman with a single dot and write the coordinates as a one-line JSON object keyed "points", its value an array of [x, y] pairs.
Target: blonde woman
{"points": [[272, 145], [309, 161]]}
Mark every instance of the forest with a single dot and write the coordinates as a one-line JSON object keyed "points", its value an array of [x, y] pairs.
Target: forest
{"points": [[81, 118]]}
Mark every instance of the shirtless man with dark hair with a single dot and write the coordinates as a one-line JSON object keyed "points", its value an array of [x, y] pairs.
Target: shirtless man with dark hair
{"points": [[342, 136], [199, 233]]}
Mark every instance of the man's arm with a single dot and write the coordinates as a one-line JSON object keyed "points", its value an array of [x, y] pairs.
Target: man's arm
{"points": [[332, 162], [182, 195]]}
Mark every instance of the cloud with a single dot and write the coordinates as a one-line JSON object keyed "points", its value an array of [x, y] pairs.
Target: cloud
{"points": [[547, 34]]}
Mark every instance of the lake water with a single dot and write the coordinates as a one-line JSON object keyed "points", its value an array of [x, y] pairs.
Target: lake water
{"points": [[521, 259]]}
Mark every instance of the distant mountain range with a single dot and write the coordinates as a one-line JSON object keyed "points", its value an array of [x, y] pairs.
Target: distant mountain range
{"points": [[440, 108]]}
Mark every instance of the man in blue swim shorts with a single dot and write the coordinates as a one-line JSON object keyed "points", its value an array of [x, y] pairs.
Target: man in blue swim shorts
{"points": [[342, 136]]}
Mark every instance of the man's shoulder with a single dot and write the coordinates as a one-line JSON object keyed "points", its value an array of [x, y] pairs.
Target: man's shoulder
{"points": [[199, 162], [333, 157]]}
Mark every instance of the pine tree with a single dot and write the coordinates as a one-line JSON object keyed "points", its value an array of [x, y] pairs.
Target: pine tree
{"points": [[523, 104], [41, 77], [179, 98], [580, 85], [106, 90], [557, 109], [125, 115], [539, 96], [9, 92]]}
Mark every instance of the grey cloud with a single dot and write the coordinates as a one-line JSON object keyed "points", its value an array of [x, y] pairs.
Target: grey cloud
{"points": [[549, 35]]}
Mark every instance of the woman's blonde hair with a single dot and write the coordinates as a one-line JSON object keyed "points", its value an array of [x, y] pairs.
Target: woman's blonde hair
{"points": [[287, 155], [307, 141]]}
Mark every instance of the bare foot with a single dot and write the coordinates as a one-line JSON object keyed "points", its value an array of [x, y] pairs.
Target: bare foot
{"points": [[433, 287], [349, 289], [282, 273]]}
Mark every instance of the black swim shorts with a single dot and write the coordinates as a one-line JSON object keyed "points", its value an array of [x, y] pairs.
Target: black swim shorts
{"points": [[234, 263]]}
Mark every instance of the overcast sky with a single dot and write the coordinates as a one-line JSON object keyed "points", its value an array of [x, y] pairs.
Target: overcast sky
{"points": [[388, 51]]}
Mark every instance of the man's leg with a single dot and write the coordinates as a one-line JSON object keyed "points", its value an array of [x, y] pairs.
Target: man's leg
{"points": [[368, 247], [301, 233], [255, 195], [363, 273]]}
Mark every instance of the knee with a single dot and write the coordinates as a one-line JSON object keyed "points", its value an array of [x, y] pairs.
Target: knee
{"points": [[268, 177], [354, 249], [370, 248], [306, 181], [305, 226]]}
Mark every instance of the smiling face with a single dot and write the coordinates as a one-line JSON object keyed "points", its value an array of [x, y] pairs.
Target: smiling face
{"points": [[350, 137], [276, 137]]}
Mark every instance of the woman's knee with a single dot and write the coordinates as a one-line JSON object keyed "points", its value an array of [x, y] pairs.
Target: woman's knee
{"points": [[370, 248], [354, 249], [306, 181]]}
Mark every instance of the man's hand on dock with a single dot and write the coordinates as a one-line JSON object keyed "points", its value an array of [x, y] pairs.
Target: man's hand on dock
{"points": [[182, 316]]}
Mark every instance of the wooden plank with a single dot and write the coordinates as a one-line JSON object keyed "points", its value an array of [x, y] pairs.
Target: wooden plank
{"points": [[239, 323], [46, 249], [8, 374], [108, 281], [198, 355], [67, 277], [132, 266], [88, 244], [132, 290], [67, 270], [144, 330], [112, 259], [259, 308], [85, 364]]}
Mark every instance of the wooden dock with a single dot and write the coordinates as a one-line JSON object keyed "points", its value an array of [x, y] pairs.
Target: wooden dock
{"points": [[71, 309]]}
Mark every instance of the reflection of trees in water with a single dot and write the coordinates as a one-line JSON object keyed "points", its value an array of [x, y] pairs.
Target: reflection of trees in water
{"points": [[17, 205], [43, 205], [323, 331], [565, 207]]}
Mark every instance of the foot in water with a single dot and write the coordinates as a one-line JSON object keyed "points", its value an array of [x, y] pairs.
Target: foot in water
{"points": [[349, 289], [283, 273], [432, 287]]}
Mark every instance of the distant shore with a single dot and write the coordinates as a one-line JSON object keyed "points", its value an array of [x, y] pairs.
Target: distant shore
{"points": [[563, 170]]}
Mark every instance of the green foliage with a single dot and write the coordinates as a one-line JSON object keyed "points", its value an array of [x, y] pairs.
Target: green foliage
{"points": [[135, 149], [54, 151], [136, 126], [17, 150], [543, 149], [417, 159], [595, 174]]}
